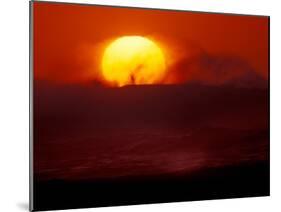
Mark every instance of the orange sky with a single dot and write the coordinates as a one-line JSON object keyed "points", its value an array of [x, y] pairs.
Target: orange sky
{"points": [[69, 38]]}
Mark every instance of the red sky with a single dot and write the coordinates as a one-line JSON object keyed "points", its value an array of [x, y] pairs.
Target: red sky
{"points": [[68, 38]]}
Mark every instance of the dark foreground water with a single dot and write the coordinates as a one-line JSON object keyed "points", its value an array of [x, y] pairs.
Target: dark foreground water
{"points": [[97, 146], [149, 166]]}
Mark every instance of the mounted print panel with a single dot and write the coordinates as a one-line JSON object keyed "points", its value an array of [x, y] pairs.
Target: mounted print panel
{"points": [[136, 106]]}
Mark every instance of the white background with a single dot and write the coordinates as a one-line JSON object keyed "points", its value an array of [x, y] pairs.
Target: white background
{"points": [[14, 103]]}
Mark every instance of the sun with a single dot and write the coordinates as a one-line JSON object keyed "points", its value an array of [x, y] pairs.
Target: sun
{"points": [[133, 60]]}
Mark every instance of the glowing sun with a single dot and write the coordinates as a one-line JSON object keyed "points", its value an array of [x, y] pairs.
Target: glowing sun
{"points": [[133, 60]]}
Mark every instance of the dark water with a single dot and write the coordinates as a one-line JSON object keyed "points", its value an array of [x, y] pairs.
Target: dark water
{"points": [[145, 152], [163, 166], [100, 147]]}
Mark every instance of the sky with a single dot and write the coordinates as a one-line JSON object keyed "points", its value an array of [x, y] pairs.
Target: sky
{"points": [[69, 40]]}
